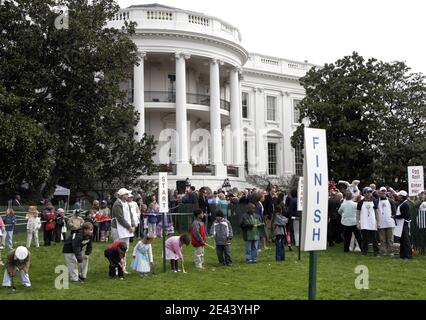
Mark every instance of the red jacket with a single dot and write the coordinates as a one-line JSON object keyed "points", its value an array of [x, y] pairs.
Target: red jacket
{"points": [[198, 233], [50, 223]]}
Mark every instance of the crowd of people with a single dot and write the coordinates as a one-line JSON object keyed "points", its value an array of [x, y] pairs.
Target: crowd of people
{"points": [[355, 218]]}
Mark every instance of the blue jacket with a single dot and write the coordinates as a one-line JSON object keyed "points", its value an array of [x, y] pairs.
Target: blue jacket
{"points": [[9, 222]]}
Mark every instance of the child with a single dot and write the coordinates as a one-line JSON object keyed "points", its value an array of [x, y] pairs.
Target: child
{"points": [[9, 221], [33, 225], [73, 252], [142, 256], [115, 255], [18, 260], [2, 233], [49, 223], [222, 232], [174, 250], [152, 219], [279, 224], [198, 233], [104, 221]]}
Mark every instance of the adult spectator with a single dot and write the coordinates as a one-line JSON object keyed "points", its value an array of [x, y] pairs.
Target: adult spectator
{"points": [[403, 214], [193, 197], [75, 222], [348, 213], [293, 215], [16, 202], [375, 194], [333, 218], [387, 211], [367, 220], [245, 198], [77, 204], [122, 225], [249, 224]]}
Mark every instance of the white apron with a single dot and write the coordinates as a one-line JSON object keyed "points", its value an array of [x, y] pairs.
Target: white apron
{"points": [[399, 223], [385, 215], [123, 232], [368, 216]]}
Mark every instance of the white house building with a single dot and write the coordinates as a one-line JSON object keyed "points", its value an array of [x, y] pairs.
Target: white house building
{"points": [[216, 110]]}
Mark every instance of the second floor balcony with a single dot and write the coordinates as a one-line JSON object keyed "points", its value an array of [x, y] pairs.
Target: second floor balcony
{"points": [[191, 98]]}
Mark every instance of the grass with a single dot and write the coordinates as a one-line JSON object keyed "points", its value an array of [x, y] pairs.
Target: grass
{"points": [[389, 278]]}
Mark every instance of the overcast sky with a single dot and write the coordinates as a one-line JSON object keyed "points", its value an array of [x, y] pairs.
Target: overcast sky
{"points": [[322, 30]]}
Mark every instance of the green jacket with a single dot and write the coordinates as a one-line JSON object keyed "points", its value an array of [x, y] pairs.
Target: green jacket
{"points": [[250, 224]]}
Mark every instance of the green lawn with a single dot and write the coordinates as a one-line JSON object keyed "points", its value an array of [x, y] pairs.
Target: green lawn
{"points": [[389, 278]]}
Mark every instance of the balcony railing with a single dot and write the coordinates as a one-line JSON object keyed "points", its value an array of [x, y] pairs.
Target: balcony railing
{"points": [[191, 98], [232, 171], [166, 167], [203, 169]]}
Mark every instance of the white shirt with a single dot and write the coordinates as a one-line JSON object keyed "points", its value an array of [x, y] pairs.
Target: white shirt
{"points": [[135, 212], [385, 214]]}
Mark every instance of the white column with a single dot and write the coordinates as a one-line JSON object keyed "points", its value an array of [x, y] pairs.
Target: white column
{"points": [[228, 146], [259, 125], [215, 126], [182, 161], [139, 96], [236, 118]]}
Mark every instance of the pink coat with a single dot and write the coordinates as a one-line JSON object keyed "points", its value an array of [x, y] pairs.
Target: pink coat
{"points": [[1, 223], [173, 244]]}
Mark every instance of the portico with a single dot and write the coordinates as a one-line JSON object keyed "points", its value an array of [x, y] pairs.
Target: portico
{"points": [[205, 87]]}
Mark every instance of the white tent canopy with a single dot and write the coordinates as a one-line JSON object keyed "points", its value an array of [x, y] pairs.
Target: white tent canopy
{"points": [[61, 191]]}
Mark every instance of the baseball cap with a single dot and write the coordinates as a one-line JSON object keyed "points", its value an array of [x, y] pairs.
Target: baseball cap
{"points": [[21, 253], [403, 193], [367, 189], [123, 191], [383, 189]]}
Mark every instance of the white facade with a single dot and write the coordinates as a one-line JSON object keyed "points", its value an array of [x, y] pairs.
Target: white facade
{"points": [[190, 87]]}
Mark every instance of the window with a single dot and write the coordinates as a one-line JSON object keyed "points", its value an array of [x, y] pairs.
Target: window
{"points": [[171, 86], [272, 159], [244, 104], [246, 155], [298, 160], [130, 91], [271, 106], [296, 111]]}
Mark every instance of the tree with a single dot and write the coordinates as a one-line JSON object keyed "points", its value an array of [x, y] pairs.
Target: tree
{"points": [[24, 148], [374, 114], [68, 82]]}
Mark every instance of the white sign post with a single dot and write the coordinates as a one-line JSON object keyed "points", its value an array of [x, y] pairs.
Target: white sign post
{"points": [[163, 192], [415, 180], [315, 200], [163, 198], [315, 204]]}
